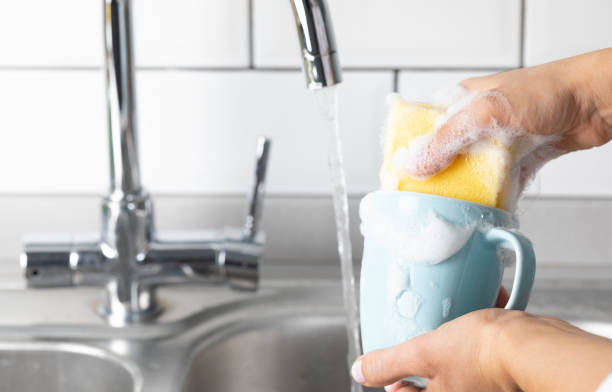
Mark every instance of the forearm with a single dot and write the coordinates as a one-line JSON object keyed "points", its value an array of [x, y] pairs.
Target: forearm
{"points": [[555, 356]]}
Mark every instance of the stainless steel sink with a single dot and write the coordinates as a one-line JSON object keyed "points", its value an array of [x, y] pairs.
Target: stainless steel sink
{"points": [[288, 336], [304, 353], [46, 367]]}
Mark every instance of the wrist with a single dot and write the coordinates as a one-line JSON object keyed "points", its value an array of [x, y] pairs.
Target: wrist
{"points": [[539, 353], [589, 78], [508, 358], [586, 81]]}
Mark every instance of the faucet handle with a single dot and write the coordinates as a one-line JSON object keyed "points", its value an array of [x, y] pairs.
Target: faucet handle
{"points": [[255, 197]]}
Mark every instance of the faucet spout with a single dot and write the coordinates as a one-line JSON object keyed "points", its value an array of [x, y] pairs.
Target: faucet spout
{"points": [[120, 102], [317, 43]]}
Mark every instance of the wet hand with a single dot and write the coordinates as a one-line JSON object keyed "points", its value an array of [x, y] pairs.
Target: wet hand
{"points": [[549, 109], [493, 350], [459, 356]]}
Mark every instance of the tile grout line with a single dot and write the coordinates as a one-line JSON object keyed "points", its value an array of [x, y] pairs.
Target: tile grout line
{"points": [[251, 37], [396, 80], [522, 35]]}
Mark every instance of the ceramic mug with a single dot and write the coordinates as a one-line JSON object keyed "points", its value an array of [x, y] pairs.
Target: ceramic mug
{"points": [[428, 259]]}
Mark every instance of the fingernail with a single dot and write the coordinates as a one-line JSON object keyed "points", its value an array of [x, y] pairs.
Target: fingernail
{"points": [[356, 372], [389, 387]]}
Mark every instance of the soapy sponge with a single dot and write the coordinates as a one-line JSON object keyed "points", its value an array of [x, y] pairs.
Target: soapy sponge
{"points": [[478, 176]]}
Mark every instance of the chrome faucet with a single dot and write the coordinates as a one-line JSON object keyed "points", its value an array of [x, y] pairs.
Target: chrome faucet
{"points": [[317, 43], [129, 257]]}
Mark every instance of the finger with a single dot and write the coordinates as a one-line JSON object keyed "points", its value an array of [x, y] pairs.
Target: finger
{"points": [[386, 366], [502, 298], [402, 386], [434, 153]]}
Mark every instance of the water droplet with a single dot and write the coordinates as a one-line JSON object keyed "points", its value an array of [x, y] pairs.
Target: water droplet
{"points": [[433, 284], [487, 218], [408, 303], [446, 306]]}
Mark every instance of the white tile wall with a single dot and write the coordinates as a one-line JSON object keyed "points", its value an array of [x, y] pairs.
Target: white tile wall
{"points": [[53, 129], [400, 33], [561, 28], [198, 130], [44, 33], [198, 126], [583, 173], [192, 33], [423, 85]]}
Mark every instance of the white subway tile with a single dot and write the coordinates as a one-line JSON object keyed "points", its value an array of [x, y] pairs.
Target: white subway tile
{"points": [[181, 33], [54, 132], [191, 33], [561, 28], [583, 173], [198, 130], [398, 33], [422, 86], [51, 33]]}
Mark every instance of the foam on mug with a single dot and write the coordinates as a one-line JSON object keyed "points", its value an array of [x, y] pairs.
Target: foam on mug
{"points": [[431, 241]]}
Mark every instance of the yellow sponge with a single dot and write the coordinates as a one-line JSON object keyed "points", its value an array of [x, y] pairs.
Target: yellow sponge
{"points": [[475, 176]]}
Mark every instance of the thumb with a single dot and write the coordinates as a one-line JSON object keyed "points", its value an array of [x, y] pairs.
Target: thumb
{"points": [[383, 367], [434, 152]]}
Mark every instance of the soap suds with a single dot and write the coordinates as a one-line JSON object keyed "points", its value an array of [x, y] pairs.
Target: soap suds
{"points": [[506, 254], [408, 303], [421, 241], [446, 306]]}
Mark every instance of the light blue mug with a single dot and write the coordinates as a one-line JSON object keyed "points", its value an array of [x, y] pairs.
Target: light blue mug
{"points": [[429, 259]]}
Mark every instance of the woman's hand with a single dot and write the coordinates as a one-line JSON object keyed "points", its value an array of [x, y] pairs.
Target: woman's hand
{"points": [[555, 108], [459, 356], [493, 350]]}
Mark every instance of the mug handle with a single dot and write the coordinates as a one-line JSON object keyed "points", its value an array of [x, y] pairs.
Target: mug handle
{"points": [[525, 265]]}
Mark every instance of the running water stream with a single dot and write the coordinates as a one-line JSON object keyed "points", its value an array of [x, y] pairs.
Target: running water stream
{"points": [[327, 98]]}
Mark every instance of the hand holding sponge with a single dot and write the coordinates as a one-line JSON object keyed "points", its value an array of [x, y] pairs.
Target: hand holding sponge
{"points": [[480, 174]]}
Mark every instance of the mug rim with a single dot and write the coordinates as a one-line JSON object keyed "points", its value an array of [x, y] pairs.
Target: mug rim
{"points": [[510, 216]]}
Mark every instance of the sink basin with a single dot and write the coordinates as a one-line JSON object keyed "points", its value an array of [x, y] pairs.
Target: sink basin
{"points": [[288, 336], [290, 354], [35, 367]]}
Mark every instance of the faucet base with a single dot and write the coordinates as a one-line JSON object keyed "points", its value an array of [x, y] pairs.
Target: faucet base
{"points": [[115, 319], [140, 308]]}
